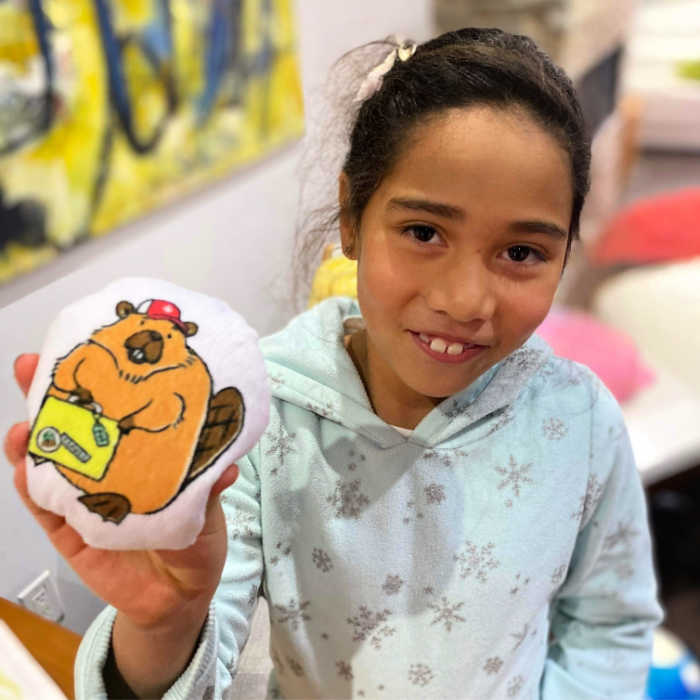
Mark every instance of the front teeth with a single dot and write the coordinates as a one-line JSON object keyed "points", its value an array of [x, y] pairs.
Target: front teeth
{"points": [[439, 345]]}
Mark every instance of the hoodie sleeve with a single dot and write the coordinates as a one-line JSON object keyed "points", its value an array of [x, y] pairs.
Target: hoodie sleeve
{"points": [[213, 665], [603, 617]]}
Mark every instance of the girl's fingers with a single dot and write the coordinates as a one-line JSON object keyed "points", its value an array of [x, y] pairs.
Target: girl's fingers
{"points": [[25, 366], [16, 451], [225, 480], [214, 514], [68, 542], [16, 442]]}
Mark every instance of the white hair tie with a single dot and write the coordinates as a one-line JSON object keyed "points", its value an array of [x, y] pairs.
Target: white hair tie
{"points": [[404, 49]]}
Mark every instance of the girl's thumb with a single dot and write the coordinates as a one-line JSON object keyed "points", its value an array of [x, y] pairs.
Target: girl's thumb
{"points": [[214, 516], [225, 480]]}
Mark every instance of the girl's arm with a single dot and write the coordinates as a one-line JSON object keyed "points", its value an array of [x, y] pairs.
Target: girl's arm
{"points": [[204, 656], [604, 615]]}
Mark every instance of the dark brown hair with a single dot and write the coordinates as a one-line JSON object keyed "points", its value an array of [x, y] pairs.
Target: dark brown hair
{"points": [[460, 69]]}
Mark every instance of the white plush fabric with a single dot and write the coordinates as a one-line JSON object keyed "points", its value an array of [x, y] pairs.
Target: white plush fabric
{"points": [[135, 360]]}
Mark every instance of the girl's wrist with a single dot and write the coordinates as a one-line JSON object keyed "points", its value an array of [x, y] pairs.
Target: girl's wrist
{"points": [[183, 619], [151, 658]]}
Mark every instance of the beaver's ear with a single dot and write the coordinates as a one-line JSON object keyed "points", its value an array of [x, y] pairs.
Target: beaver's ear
{"points": [[124, 308], [192, 328]]}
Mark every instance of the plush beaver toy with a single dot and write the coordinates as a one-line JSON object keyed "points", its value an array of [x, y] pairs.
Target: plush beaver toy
{"points": [[132, 415], [140, 371]]}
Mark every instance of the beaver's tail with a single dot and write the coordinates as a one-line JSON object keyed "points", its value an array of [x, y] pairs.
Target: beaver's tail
{"points": [[222, 426]]}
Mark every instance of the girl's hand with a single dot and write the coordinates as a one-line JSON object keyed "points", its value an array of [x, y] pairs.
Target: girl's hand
{"points": [[153, 589]]}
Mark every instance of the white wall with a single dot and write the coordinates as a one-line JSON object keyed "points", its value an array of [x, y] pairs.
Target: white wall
{"points": [[231, 241]]}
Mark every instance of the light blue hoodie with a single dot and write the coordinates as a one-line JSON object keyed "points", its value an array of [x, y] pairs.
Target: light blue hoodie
{"points": [[501, 550]]}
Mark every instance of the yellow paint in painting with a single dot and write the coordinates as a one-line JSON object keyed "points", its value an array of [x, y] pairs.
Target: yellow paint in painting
{"points": [[146, 91], [132, 185], [63, 14], [283, 78], [19, 259], [287, 72], [188, 40], [273, 101], [277, 93], [255, 26], [18, 44], [285, 26], [134, 12], [60, 169]]}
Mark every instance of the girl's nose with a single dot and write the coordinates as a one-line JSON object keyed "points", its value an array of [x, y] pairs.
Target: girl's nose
{"points": [[463, 291]]}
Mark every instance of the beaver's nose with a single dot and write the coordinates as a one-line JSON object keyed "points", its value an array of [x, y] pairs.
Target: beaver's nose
{"points": [[155, 335]]}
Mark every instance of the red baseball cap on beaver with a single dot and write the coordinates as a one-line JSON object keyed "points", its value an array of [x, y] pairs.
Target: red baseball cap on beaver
{"points": [[162, 310]]}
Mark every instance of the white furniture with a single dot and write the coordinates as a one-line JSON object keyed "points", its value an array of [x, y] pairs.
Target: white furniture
{"points": [[658, 306]]}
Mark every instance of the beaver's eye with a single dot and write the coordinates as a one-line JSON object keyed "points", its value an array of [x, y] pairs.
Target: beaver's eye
{"points": [[169, 336], [142, 322]]}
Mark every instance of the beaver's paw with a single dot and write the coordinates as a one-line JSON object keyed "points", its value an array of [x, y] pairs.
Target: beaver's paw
{"points": [[126, 424], [111, 507], [83, 395]]}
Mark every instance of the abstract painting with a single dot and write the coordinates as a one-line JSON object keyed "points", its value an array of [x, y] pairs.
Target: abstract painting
{"points": [[109, 108]]}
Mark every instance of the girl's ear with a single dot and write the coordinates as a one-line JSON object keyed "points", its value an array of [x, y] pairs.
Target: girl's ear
{"points": [[348, 234]]}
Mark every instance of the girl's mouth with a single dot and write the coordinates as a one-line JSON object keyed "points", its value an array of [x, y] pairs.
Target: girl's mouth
{"points": [[444, 350]]}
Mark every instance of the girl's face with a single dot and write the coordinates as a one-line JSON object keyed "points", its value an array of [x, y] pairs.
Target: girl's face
{"points": [[459, 251]]}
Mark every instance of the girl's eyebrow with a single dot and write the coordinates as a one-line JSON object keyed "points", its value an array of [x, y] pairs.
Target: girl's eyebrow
{"points": [[449, 211], [538, 226]]}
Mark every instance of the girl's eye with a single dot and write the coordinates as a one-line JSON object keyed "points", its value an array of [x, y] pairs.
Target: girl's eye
{"points": [[421, 233], [522, 253]]}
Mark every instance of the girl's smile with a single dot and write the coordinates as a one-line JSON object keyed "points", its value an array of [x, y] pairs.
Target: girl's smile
{"points": [[444, 349], [460, 251]]}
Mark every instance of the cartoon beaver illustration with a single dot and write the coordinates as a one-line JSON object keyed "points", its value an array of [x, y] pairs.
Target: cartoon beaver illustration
{"points": [[139, 376]]}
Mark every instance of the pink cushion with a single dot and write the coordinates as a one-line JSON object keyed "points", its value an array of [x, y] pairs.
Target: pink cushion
{"points": [[664, 227], [609, 353]]}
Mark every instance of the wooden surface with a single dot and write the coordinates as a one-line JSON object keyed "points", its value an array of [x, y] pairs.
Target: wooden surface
{"points": [[53, 646]]}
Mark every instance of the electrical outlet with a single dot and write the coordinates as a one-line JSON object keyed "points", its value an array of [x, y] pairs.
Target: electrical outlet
{"points": [[41, 596]]}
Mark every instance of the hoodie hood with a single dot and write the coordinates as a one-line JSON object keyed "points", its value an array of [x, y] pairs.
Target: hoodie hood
{"points": [[309, 367]]}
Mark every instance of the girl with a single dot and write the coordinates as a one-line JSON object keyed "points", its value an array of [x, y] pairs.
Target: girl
{"points": [[439, 506]]}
